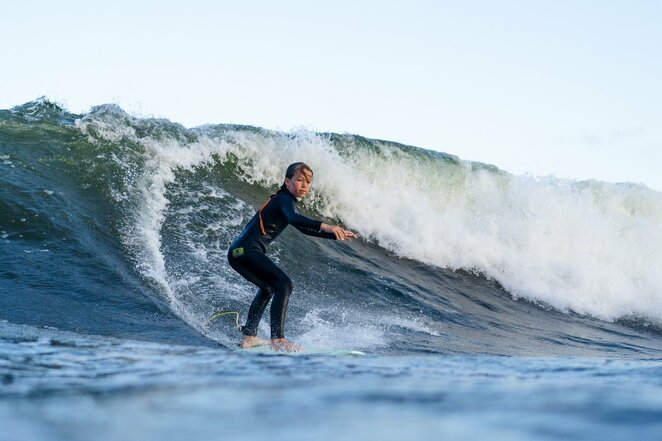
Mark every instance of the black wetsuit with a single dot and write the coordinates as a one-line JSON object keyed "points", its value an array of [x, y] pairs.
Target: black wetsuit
{"points": [[247, 256]]}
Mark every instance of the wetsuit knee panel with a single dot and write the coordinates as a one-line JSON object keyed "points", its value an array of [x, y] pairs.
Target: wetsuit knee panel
{"points": [[284, 283]]}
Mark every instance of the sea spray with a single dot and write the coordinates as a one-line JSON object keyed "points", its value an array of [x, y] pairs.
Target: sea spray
{"points": [[589, 247]]}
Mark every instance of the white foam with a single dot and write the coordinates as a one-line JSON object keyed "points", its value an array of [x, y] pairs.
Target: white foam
{"points": [[341, 333]]}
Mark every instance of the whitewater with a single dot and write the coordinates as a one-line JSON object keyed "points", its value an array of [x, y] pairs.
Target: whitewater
{"points": [[489, 305], [590, 247]]}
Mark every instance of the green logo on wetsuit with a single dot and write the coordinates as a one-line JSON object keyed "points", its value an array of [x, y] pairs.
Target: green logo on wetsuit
{"points": [[238, 252]]}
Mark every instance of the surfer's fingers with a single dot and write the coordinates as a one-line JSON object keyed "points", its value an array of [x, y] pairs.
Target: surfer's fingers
{"points": [[339, 233], [343, 234], [350, 234]]}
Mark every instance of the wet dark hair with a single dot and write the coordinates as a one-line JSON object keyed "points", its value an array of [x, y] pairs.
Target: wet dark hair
{"points": [[295, 167], [292, 169]]}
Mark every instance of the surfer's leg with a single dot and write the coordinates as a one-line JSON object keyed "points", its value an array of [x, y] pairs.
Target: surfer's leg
{"points": [[279, 306], [279, 286], [256, 310], [272, 281]]}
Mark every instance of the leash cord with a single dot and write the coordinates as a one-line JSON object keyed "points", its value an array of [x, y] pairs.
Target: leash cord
{"points": [[221, 314]]}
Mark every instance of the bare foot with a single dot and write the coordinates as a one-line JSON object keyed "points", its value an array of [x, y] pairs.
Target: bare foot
{"points": [[283, 344], [250, 342]]}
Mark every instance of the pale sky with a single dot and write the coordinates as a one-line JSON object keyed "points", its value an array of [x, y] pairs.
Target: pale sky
{"points": [[565, 88]]}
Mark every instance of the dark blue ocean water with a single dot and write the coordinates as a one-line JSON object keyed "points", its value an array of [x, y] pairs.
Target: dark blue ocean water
{"points": [[488, 305], [65, 386]]}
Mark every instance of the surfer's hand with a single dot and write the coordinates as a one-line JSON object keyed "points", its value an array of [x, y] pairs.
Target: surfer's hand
{"points": [[339, 232]]}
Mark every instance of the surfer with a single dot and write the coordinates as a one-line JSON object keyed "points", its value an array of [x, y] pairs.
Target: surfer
{"points": [[247, 255]]}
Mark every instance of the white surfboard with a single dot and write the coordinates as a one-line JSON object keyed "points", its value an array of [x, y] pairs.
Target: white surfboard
{"points": [[307, 350]]}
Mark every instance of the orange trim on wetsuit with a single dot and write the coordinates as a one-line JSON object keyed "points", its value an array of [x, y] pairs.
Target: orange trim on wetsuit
{"points": [[259, 213]]}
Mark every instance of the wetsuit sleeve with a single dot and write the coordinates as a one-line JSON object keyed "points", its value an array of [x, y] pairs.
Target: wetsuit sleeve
{"points": [[306, 225], [316, 233]]}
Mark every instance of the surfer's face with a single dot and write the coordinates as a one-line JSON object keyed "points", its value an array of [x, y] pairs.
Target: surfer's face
{"points": [[299, 184]]}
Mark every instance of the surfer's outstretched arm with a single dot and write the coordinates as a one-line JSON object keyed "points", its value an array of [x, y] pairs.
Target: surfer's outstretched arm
{"points": [[312, 227], [326, 231]]}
